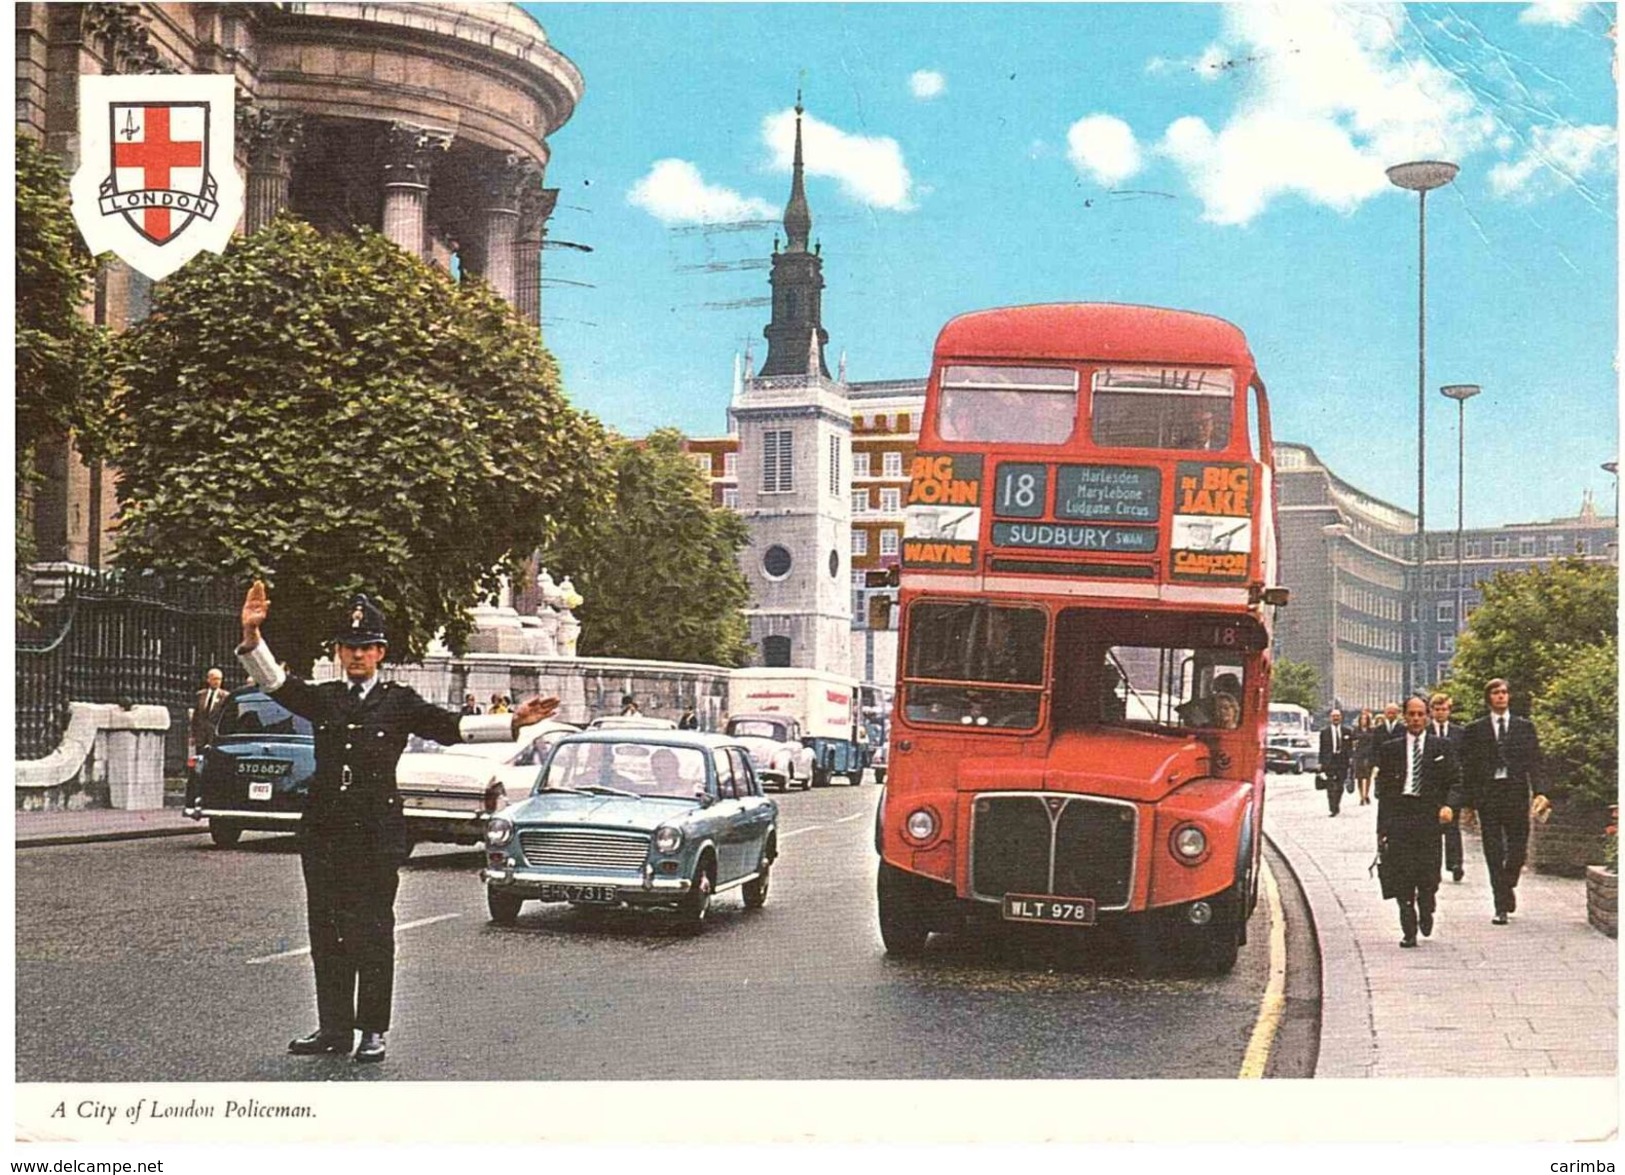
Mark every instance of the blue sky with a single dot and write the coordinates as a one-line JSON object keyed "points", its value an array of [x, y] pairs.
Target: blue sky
{"points": [[1220, 158]]}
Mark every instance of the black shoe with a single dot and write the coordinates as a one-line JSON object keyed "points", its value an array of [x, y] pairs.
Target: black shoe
{"points": [[1458, 874], [1408, 941], [371, 1047], [1500, 918], [321, 1042], [1424, 923]]}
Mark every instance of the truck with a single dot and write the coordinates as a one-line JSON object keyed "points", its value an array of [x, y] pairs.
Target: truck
{"points": [[823, 704]]}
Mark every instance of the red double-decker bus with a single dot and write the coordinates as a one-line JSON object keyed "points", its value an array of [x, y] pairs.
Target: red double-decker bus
{"points": [[1087, 580]]}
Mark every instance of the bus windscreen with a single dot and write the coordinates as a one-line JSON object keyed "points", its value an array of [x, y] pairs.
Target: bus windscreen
{"points": [[1017, 405], [1161, 407]]}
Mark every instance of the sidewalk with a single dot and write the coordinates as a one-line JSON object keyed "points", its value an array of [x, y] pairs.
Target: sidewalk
{"points": [[1536, 998], [97, 824]]}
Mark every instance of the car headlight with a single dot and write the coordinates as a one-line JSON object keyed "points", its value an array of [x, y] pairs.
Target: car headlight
{"points": [[668, 839], [1189, 843], [921, 824], [498, 832]]}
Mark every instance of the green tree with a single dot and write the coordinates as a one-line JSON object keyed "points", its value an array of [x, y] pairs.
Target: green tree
{"points": [[1529, 627], [1295, 683], [60, 386], [659, 569], [334, 415], [1578, 718]]}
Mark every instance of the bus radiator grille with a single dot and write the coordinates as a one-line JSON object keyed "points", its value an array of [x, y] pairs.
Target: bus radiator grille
{"points": [[1015, 841]]}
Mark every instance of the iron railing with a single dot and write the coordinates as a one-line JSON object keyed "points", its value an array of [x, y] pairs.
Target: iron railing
{"points": [[119, 637]]}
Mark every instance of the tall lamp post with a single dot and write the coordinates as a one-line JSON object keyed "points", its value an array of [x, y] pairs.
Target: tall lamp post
{"points": [[1613, 468], [1421, 177], [1334, 532], [1460, 393]]}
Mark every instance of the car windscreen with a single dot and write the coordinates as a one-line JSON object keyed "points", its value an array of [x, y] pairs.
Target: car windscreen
{"points": [[255, 714], [772, 730], [643, 769]]}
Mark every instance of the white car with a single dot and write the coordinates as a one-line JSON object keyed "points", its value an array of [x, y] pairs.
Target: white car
{"points": [[776, 750], [631, 722], [449, 793]]}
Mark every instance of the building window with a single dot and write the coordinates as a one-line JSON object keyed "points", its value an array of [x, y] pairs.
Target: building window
{"points": [[860, 501], [778, 461], [776, 652], [1526, 546], [1500, 548], [1469, 548], [880, 422], [730, 498], [860, 542], [702, 462], [891, 465], [1441, 672], [860, 464], [888, 542], [834, 467], [1447, 610], [902, 422], [776, 562], [1554, 544], [1447, 642], [1582, 546], [1447, 549], [1415, 643], [730, 465], [891, 501]]}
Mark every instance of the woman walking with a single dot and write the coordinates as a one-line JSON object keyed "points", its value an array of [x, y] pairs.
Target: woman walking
{"points": [[1366, 737]]}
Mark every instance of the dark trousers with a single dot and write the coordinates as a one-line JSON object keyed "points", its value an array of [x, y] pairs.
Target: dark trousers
{"points": [[1334, 789], [350, 884], [1452, 843], [1503, 821], [1413, 850]]}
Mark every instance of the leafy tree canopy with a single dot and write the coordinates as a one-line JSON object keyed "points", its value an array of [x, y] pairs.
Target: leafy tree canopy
{"points": [[1577, 715], [1530, 625], [334, 415], [1295, 683], [659, 567]]}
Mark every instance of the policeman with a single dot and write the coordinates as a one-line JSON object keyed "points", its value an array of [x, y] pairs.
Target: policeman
{"points": [[352, 838]]}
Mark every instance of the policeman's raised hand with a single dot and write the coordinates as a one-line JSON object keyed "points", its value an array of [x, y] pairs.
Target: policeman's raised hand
{"points": [[256, 605], [534, 710]]}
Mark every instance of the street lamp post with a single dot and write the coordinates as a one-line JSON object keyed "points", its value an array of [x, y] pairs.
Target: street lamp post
{"points": [[1460, 393], [1334, 532], [1613, 468], [1421, 177]]}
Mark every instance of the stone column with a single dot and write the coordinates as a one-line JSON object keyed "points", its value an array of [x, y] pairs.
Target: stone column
{"points": [[410, 152], [535, 206], [272, 139], [501, 180]]}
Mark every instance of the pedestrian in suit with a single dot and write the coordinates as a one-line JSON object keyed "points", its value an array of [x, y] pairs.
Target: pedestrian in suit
{"points": [[1418, 789], [1336, 748], [1366, 742], [352, 836], [1503, 768], [211, 700], [471, 705], [1390, 726], [1440, 725]]}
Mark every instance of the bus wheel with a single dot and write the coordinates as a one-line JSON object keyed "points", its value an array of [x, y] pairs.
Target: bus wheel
{"points": [[903, 927]]}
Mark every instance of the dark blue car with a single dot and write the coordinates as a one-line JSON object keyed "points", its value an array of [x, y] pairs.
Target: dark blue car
{"points": [[257, 772]]}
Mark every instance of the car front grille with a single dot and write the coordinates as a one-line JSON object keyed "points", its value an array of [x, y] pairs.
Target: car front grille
{"points": [[1068, 846], [547, 849]]}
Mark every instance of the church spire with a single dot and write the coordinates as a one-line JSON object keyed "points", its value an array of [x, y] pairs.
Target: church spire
{"points": [[797, 216]]}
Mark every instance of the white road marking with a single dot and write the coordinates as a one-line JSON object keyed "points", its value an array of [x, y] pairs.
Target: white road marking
{"points": [[809, 828], [305, 950], [854, 816]]}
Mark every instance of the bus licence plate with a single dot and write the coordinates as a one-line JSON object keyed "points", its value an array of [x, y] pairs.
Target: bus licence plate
{"points": [[578, 893], [1020, 907]]}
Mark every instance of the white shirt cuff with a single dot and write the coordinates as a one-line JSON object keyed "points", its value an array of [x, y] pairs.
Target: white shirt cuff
{"points": [[486, 728], [262, 667]]}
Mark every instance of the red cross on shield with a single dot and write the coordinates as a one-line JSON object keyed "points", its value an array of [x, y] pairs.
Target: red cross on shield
{"points": [[159, 175]]}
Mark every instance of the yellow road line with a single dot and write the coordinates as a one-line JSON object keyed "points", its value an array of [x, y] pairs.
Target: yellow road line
{"points": [[1257, 1056]]}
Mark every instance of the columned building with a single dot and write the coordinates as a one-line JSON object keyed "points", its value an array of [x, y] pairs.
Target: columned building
{"points": [[428, 122]]}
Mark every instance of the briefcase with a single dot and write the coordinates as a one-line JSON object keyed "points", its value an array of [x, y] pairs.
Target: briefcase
{"points": [[1320, 782], [1387, 875]]}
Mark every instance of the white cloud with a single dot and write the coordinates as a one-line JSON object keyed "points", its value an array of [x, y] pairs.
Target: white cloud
{"points": [[869, 169], [1556, 156], [1563, 12], [1103, 148], [926, 84], [1329, 98], [674, 192]]}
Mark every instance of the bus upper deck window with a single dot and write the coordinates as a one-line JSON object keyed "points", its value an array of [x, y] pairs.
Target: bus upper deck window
{"points": [[1162, 408], [1022, 405]]}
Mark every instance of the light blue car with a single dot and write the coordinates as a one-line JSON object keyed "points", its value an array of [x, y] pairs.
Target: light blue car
{"points": [[635, 818]]}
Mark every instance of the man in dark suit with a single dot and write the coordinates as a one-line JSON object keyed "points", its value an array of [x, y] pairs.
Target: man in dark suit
{"points": [[1441, 726], [352, 837], [1418, 789], [1336, 745], [1503, 767], [211, 700]]}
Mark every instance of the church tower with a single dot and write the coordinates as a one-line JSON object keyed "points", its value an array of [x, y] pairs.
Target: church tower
{"points": [[795, 468], [796, 335]]}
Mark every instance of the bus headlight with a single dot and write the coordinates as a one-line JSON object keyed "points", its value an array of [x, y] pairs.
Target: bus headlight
{"points": [[1189, 844], [498, 832], [921, 825]]}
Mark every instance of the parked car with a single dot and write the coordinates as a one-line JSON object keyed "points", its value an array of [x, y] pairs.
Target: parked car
{"points": [[449, 792], [776, 749], [1296, 753], [631, 722], [635, 818], [256, 774]]}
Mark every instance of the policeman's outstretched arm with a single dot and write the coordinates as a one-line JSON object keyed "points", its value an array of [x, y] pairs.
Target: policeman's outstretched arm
{"points": [[255, 654]]}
